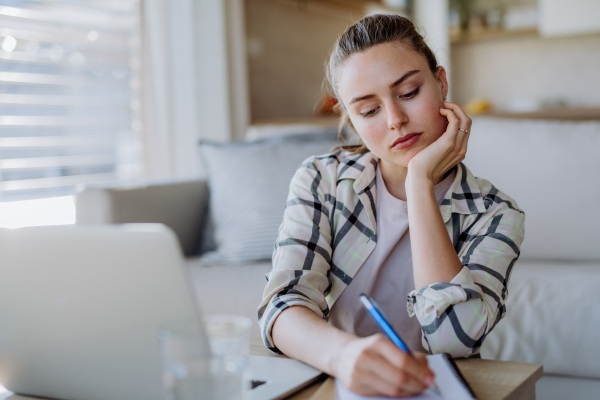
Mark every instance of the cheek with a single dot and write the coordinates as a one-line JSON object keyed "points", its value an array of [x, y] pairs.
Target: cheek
{"points": [[435, 123], [429, 110], [371, 134], [441, 123]]}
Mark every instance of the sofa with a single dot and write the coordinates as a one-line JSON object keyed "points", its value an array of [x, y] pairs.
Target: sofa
{"points": [[550, 167]]}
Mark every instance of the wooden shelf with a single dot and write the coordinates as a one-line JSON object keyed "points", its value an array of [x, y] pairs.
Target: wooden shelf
{"points": [[577, 114], [491, 34], [558, 113], [352, 5], [324, 121]]}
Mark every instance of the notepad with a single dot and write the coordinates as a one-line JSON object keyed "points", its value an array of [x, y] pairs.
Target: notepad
{"points": [[448, 379]]}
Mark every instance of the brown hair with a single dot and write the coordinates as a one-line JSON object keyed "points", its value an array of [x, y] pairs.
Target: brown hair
{"points": [[366, 33]]}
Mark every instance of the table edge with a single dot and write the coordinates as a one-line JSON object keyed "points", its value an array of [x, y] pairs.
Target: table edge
{"points": [[531, 379]]}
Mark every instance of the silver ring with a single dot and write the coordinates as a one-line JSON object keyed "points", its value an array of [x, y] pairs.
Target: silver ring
{"points": [[464, 130]]}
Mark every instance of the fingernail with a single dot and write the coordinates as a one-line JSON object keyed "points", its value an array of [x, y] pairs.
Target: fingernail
{"points": [[428, 380]]}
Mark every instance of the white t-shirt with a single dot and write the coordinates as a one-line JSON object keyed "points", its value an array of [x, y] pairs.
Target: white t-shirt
{"points": [[387, 274]]}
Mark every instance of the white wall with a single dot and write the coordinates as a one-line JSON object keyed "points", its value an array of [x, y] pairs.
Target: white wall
{"points": [[528, 69]]}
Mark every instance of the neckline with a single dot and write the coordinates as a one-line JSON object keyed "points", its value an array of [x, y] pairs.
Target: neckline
{"points": [[440, 190]]}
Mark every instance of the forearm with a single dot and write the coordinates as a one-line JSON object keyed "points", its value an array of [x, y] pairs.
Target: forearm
{"points": [[433, 255], [302, 335]]}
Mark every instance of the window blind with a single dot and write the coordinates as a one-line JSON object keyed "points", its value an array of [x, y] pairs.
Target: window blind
{"points": [[69, 95]]}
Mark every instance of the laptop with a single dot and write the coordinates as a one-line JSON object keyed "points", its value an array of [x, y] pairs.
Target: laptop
{"points": [[81, 306]]}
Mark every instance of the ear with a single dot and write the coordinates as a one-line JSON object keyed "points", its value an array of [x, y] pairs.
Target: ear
{"points": [[440, 75]]}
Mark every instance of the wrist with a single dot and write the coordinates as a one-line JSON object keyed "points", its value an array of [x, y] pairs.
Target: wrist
{"points": [[417, 181], [418, 171], [335, 358]]}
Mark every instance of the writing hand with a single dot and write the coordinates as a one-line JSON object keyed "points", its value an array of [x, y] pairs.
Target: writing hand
{"points": [[374, 366]]}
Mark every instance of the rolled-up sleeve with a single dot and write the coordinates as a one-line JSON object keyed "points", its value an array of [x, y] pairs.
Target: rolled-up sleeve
{"points": [[455, 317], [302, 255]]}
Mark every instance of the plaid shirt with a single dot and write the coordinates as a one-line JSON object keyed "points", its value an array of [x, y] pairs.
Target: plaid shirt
{"points": [[329, 229]]}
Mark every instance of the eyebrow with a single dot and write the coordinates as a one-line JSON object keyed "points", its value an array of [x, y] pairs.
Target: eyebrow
{"points": [[392, 85]]}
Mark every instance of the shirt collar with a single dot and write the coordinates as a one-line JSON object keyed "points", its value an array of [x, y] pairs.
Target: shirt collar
{"points": [[463, 197], [361, 168]]}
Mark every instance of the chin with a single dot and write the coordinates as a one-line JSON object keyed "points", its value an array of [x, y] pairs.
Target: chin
{"points": [[398, 160], [406, 157]]}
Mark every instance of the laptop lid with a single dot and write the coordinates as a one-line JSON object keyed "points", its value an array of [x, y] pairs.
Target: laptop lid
{"points": [[80, 308]]}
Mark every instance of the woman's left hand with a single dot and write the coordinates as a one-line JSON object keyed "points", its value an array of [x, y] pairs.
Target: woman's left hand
{"points": [[448, 150]]}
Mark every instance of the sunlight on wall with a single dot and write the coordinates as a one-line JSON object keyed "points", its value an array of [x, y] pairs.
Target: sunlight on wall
{"points": [[41, 212]]}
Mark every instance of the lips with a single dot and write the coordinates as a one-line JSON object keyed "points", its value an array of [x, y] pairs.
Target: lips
{"points": [[406, 140]]}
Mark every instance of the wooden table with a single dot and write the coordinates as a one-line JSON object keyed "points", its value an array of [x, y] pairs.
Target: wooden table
{"points": [[490, 380]]}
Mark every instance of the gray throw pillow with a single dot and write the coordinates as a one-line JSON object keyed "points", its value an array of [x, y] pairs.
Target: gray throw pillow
{"points": [[249, 184]]}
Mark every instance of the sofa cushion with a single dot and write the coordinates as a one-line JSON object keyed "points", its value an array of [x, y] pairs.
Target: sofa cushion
{"points": [[551, 169], [326, 129], [249, 183], [551, 318]]}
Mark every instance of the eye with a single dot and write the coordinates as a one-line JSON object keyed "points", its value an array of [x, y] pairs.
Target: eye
{"points": [[369, 113], [411, 94]]}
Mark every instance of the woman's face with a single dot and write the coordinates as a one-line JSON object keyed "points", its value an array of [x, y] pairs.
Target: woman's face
{"points": [[393, 100]]}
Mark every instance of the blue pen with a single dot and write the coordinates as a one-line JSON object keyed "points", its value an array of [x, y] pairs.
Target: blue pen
{"points": [[383, 322], [381, 319]]}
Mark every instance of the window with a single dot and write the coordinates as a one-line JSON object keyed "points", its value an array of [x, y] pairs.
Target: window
{"points": [[69, 95]]}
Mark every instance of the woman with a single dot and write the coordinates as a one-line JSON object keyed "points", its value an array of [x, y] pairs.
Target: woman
{"points": [[346, 225]]}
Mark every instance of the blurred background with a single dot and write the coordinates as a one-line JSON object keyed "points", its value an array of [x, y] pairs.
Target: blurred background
{"points": [[103, 104], [96, 91]]}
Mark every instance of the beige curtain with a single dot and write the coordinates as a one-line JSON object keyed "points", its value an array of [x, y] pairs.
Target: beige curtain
{"points": [[187, 47]]}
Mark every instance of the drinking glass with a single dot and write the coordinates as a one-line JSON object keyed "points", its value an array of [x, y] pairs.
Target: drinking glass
{"points": [[208, 360]]}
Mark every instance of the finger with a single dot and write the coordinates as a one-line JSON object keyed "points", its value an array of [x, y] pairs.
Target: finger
{"points": [[450, 114], [466, 124], [453, 124], [429, 377], [395, 356], [398, 378], [419, 369], [460, 138], [465, 143], [395, 382], [373, 385], [402, 361], [464, 118], [465, 127]]}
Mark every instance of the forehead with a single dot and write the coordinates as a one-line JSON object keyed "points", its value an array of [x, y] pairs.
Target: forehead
{"points": [[376, 68]]}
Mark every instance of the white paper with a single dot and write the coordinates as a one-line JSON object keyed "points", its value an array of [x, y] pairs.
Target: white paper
{"points": [[449, 385], [345, 394], [446, 382]]}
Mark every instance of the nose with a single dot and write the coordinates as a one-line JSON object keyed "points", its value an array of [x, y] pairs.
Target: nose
{"points": [[396, 116]]}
